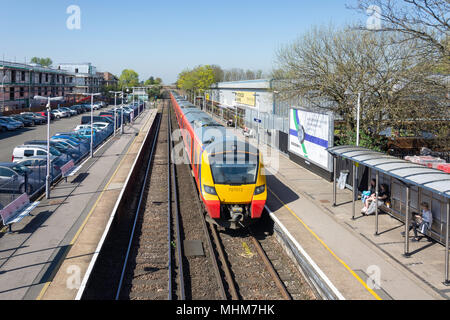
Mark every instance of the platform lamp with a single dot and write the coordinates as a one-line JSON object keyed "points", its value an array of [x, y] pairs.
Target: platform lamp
{"points": [[92, 119], [115, 109], [49, 109], [3, 89]]}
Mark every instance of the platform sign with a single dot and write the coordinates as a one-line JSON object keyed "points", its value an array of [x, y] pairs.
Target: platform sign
{"points": [[310, 134], [246, 98]]}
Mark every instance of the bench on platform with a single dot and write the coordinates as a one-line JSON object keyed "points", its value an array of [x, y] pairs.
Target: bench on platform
{"points": [[69, 169], [430, 233], [17, 210]]}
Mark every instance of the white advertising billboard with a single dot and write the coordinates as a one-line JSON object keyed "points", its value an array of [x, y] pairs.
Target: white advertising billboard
{"points": [[310, 134]]}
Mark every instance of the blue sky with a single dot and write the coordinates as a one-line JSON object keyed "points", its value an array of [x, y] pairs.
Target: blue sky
{"points": [[162, 38]]}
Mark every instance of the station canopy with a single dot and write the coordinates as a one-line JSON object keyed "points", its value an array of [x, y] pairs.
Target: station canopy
{"points": [[410, 173]]}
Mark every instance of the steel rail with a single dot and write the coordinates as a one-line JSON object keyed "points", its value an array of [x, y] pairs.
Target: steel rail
{"points": [[278, 282], [178, 242], [212, 253], [155, 139], [225, 266]]}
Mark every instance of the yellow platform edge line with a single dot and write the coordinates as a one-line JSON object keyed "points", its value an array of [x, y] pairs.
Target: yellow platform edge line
{"points": [[47, 284], [373, 293]]}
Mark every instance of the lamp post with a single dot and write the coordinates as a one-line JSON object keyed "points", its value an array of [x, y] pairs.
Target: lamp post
{"points": [[92, 119], [49, 109], [115, 109], [257, 126], [235, 109], [3, 89]]}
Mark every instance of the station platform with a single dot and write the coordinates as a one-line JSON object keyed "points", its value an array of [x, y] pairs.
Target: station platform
{"points": [[347, 251], [49, 251]]}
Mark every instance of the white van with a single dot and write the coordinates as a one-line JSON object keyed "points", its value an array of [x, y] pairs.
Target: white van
{"points": [[27, 151]]}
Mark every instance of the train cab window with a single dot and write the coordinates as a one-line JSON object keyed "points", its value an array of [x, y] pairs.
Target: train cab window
{"points": [[236, 170]]}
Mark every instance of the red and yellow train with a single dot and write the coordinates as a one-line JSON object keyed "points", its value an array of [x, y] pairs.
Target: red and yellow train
{"points": [[228, 172]]}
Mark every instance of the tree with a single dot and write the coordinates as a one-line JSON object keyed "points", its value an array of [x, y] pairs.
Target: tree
{"points": [[200, 78], [424, 20], [153, 81], [45, 62], [129, 78], [327, 68]]}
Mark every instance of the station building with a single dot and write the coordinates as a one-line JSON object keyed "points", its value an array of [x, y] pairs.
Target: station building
{"points": [[20, 82]]}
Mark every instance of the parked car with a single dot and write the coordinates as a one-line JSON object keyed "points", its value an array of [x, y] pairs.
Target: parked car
{"points": [[12, 178], [26, 121], [44, 114], [11, 124], [38, 165], [86, 133], [36, 118], [87, 119], [79, 109], [11, 120], [82, 147], [60, 113], [6, 126], [102, 125], [70, 111], [88, 127], [26, 151], [63, 148]]}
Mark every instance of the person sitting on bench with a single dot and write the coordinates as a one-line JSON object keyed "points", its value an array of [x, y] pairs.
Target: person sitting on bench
{"points": [[368, 195], [421, 222], [383, 197]]}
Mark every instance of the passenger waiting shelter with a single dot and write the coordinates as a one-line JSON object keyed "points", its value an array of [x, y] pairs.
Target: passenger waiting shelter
{"points": [[409, 185]]}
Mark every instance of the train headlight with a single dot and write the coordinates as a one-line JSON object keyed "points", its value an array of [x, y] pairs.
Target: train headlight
{"points": [[210, 190], [260, 189]]}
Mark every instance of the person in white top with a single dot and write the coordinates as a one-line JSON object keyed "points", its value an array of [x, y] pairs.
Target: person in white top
{"points": [[422, 222]]}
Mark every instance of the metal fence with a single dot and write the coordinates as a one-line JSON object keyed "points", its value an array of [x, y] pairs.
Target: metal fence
{"points": [[29, 175]]}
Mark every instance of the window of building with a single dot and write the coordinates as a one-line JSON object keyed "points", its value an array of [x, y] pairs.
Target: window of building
{"points": [[46, 77], [23, 75], [45, 91], [39, 91], [22, 91]]}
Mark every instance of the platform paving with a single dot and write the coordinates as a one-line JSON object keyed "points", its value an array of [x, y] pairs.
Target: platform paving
{"points": [[30, 257], [347, 250]]}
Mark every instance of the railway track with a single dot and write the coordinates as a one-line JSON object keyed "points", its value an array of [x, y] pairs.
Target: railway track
{"points": [[156, 260]]}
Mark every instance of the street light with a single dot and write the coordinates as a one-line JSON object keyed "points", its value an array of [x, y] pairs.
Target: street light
{"points": [[49, 109], [235, 107], [115, 109], [257, 131], [92, 119], [3, 88]]}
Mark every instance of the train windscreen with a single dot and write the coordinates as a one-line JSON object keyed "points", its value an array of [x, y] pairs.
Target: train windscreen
{"points": [[234, 168]]}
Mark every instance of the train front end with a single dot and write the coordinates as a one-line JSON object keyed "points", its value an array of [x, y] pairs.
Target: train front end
{"points": [[233, 184]]}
